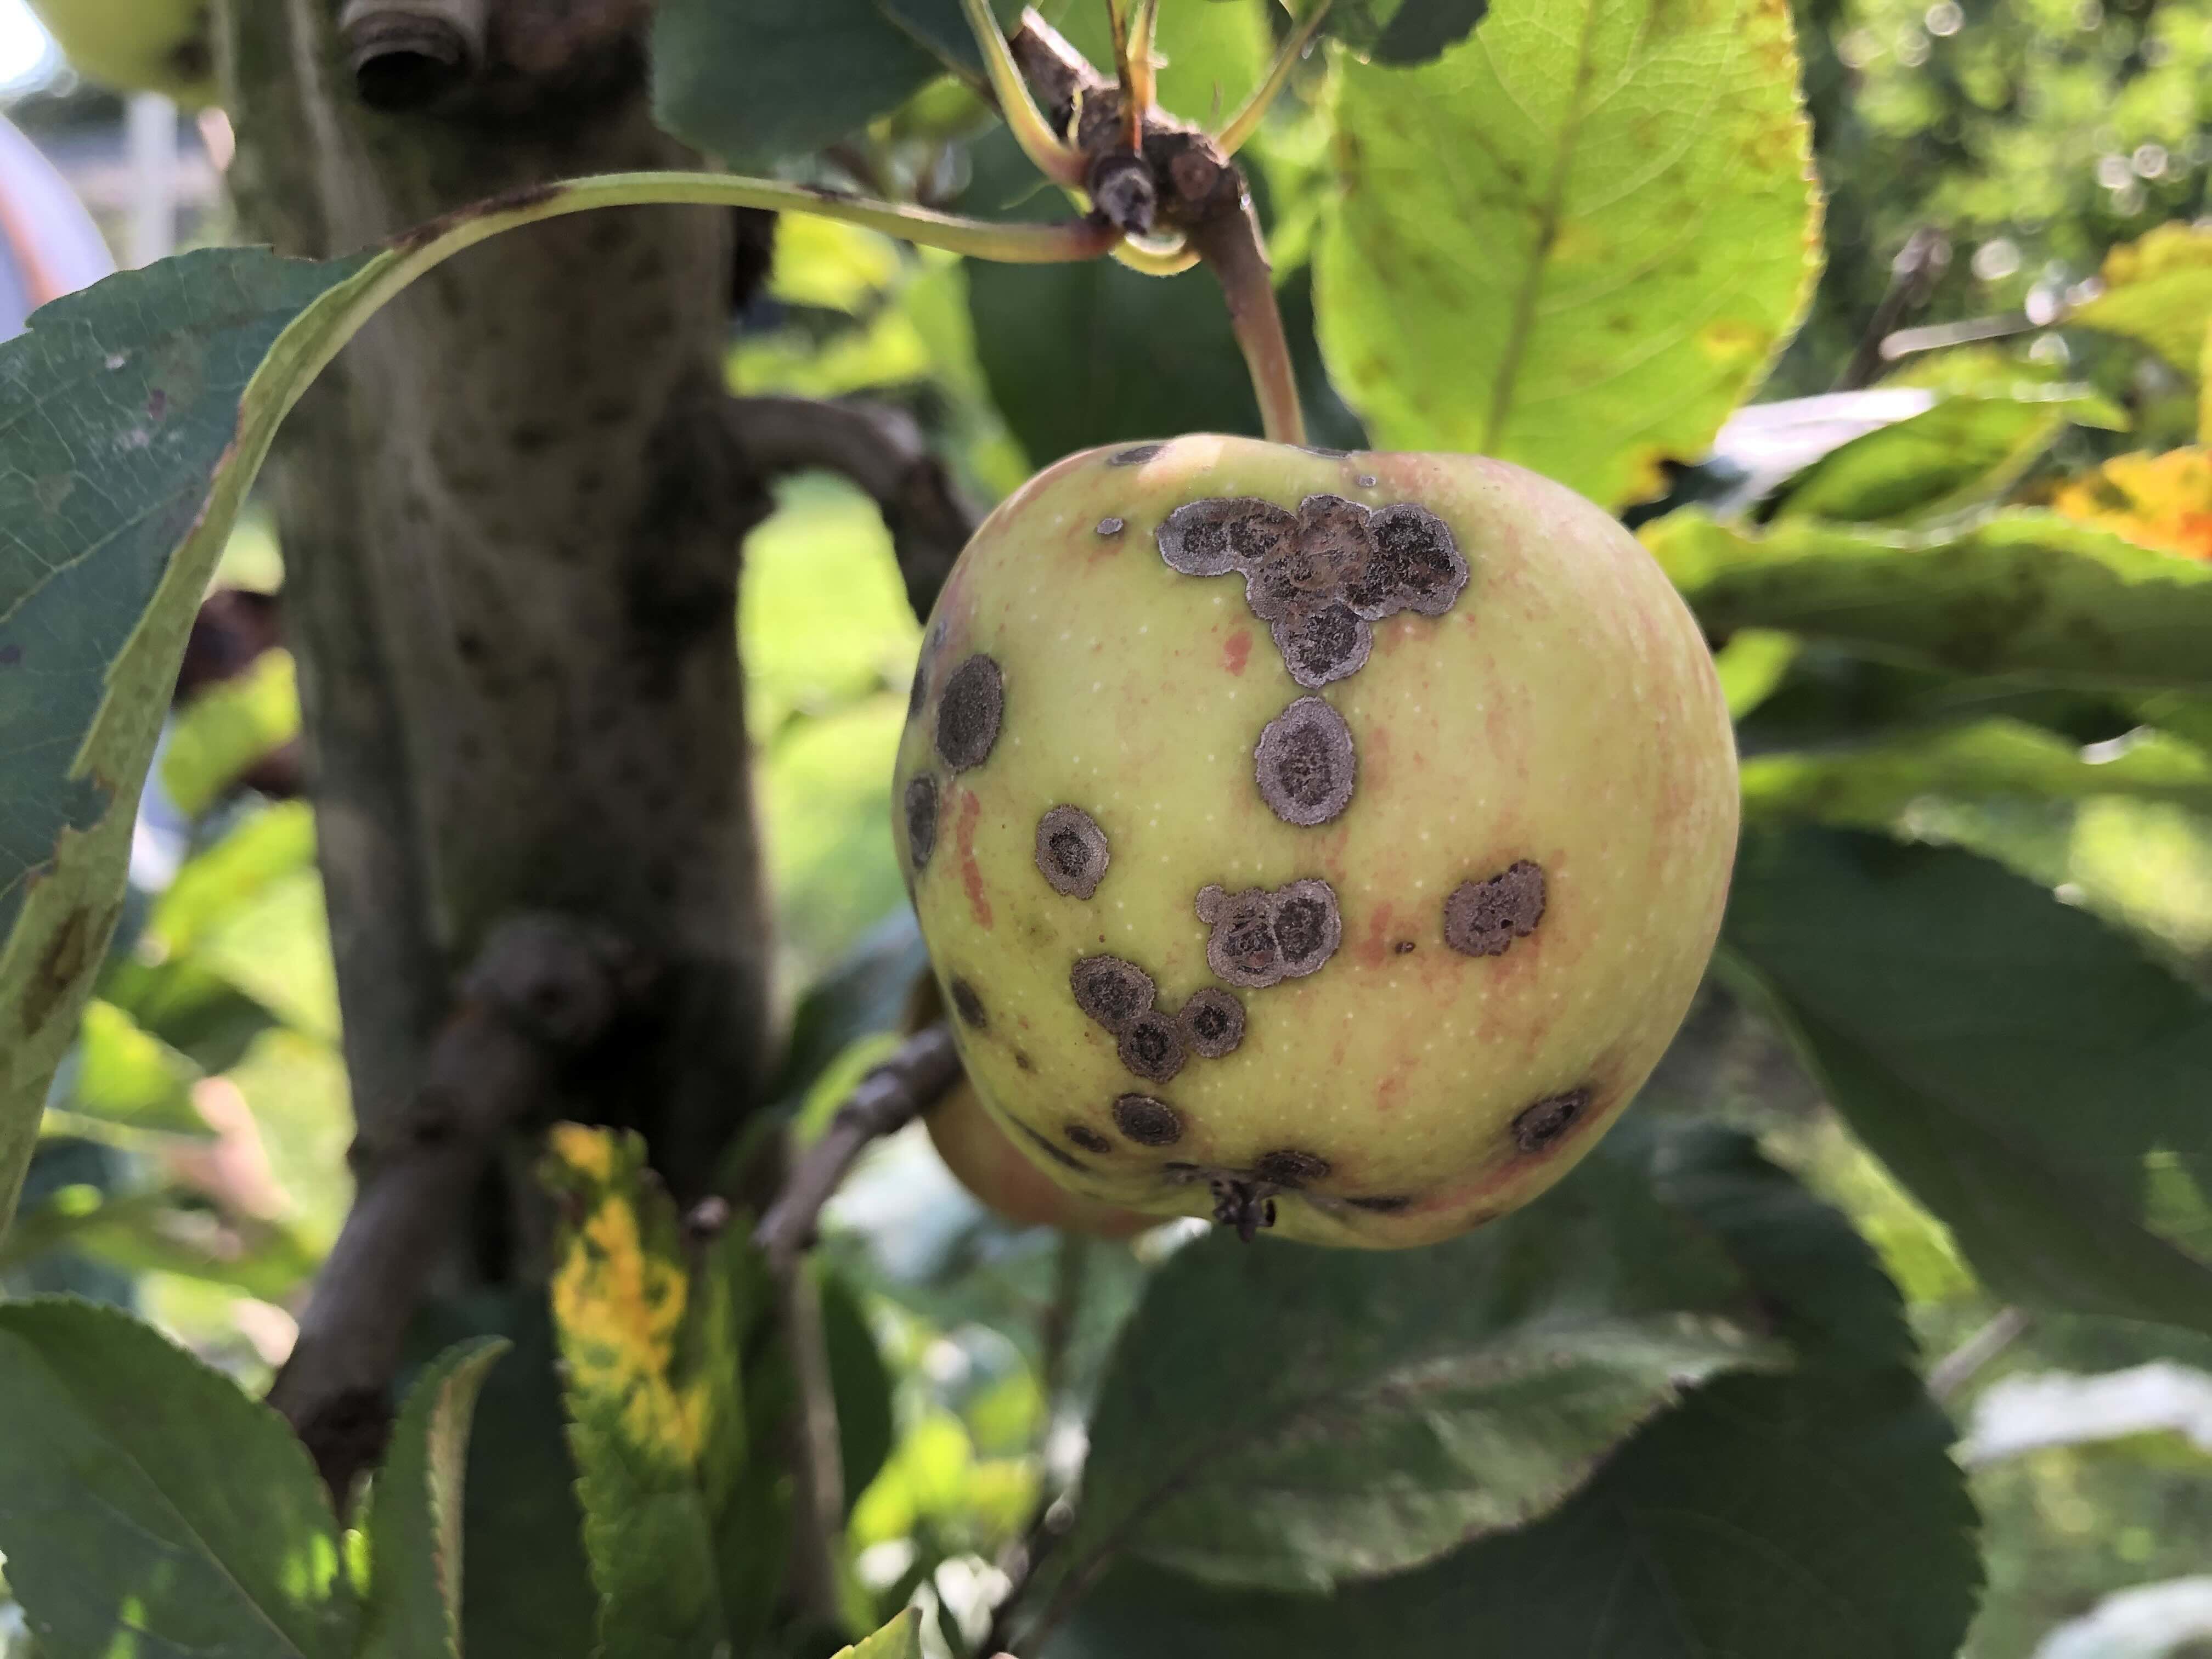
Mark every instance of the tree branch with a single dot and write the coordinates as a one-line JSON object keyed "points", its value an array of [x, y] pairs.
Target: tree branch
{"points": [[886, 1100], [882, 451], [543, 993]]}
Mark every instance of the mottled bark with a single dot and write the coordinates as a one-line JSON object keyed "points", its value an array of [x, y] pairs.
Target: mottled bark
{"points": [[511, 514]]}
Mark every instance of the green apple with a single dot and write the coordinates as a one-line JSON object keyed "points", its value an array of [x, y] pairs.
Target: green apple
{"points": [[137, 45], [1324, 841]]}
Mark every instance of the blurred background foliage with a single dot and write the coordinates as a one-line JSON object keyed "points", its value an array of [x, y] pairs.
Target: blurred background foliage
{"points": [[1982, 158]]}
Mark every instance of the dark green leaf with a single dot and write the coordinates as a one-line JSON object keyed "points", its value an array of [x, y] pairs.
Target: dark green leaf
{"points": [[769, 82], [415, 1513], [1573, 241], [1815, 1515], [1293, 1418], [2033, 1079], [1404, 32], [1964, 451], [2019, 592], [1870, 784], [146, 1504], [859, 1382]]}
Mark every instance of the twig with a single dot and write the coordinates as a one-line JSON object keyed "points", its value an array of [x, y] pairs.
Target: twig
{"points": [[885, 1101], [543, 990], [882, 451], [1912, 273], [1241, 125], [1959, 1367], [1230, 245]]}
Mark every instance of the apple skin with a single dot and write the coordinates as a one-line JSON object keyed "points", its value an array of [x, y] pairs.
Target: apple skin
{"points": [[1007, 1181], [137, 45], [1558, 713]]}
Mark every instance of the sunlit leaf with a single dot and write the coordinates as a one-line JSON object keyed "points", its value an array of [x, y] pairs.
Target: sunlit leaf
{"points": [[124, 1075], [2033, 1079], [899, 1639], [226, 728], [414, 1523], [1574, 241], [147, 1506], [2018, 592], [674, 1495], [2162, 500], [2157, 291]]}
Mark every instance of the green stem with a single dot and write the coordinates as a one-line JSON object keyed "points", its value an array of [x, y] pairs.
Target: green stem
{"points": [[1052, 155], [1246, 122]]}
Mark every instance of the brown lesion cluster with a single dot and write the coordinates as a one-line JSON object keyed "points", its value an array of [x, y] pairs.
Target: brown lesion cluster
{"points": [[1261, 937], [971, 708], [1153, 1042], [1321, 577]]}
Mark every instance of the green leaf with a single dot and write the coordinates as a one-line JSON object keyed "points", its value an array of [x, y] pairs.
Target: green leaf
{"points": [[862, 996], [1815, 1514], [123, 1074], [778, 79], [1294, 1418], [1871, 785], [146, 1504], [138, 413], [414, 1522], [1573, 241], [1403, 32], [1964, 451], [225, 729], [860, 1383], [2158, 292], [2019, 592], [899, 1639], [2034, 1080], [673, 1496], [1752, 666]]}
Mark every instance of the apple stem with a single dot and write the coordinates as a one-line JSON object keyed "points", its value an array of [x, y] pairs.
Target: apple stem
{"points": [[1230, 244]]}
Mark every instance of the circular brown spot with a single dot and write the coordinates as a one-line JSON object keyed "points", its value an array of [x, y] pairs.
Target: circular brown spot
{"points": [[1404, 947], [1111, 526], [1288, 1167], [1215, 536], [968, 1006], [1242, 948], [1147, 1122], [1483, 918], [1111, 991], [918, 692], [920, 818], [1323, 644], [1134, 456], [1083, 1135], [968, 717], [1022, 1059], [1211, 1023], [1542, 1124], [1149, 1047], [1389, 1206], [1308, 926], [1306, 763], [1071, 851]]}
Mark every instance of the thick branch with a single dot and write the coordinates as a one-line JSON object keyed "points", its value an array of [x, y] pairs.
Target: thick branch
{"points": [[887, 1099], [882, 451], [545, 990]]}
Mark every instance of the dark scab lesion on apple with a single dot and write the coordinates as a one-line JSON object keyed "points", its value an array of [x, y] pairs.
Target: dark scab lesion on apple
{"points": [[1390, 1204], [1290, 1167], [1110, 526], [1306, 763], [970, 712], [1147, 1122], [1260, 937], [969, 1005], [1211, 1022], [1083, 1135], [1483, 918], [920, 818], [1540, 1127], [1135, 456], [1110, 991], [1058, 1155], [1149, 1047], [1071, 851]]}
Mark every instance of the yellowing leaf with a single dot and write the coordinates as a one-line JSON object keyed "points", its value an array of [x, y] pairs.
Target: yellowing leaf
{"points": [[1574, 239], [2162, 501], [2158, 292]]}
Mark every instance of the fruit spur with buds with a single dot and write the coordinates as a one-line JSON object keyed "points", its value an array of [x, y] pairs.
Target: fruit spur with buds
{"points": [[1323, 842]]}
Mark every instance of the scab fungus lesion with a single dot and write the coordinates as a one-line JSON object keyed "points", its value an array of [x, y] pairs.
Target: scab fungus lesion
{"points": [[1072, 851], [1483, 918], [1260, 937]]}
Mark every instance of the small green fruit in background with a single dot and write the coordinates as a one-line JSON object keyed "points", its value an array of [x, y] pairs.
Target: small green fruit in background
{"points": [[137, 45], [1331, 842], [987, 1164]]}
